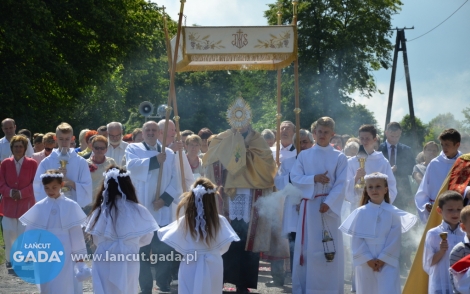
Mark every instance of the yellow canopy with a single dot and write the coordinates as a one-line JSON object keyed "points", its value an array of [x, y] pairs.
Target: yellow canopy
{"points": [[236, 48]]}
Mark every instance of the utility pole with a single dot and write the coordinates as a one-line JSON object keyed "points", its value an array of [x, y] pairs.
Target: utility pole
{"points": [[400, 45]]}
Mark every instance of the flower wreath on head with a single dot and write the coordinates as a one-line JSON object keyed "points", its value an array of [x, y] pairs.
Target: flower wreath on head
{"points": [[59, 175], [376, 176], [113, 173], [199, 191]]}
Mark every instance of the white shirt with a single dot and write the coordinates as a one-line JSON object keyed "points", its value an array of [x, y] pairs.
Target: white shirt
{"points": [[117, 153], [18, 165], [5, 150], [389, 149]]}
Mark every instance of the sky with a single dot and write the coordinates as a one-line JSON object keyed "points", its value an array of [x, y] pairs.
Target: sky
{"points": [[439, 62]]}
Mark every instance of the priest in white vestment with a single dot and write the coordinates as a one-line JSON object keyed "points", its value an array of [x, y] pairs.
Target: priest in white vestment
{"points": [[320, 172], [144, 161], [77, 181]]}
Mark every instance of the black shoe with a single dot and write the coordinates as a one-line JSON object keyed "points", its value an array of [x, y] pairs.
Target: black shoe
{"points": [[242, 290], [164, 289], [8, 264], [274, 284]]}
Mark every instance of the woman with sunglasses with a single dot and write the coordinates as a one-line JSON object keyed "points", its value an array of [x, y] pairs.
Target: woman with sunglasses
{"points": [[49, 143], [98, 163]]}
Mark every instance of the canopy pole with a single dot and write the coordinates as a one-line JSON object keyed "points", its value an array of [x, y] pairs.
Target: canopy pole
{"points": [[296, 76], [171, 95], [278, 115]]}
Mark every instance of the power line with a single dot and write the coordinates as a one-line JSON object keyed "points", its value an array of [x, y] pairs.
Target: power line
{"points": [[440, 23]]}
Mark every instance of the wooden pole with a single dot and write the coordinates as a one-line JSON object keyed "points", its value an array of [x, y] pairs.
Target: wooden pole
{"points": [[170, 96], [296, 76], [278, 115]]}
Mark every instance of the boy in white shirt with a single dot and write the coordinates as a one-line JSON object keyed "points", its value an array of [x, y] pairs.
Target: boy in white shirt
{"points": [[440, 241]]}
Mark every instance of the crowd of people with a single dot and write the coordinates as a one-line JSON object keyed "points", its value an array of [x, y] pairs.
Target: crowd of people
{"points": [[217, 195]]}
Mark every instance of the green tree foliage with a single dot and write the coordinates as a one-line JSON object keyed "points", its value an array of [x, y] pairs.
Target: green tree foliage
{"points": [[416, 140], [340, 44], [73, 60], [440, 123]]}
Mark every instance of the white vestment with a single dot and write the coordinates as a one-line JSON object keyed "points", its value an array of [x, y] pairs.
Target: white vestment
{"points": [[117, 153], [115, 233], [188, 172], [376, 234], [432, 181], [63, 218], [5, 150], [77, 171], [375, 162], [284, 152], [203, 274], [145, 180], [439, 276], [316, 275]]}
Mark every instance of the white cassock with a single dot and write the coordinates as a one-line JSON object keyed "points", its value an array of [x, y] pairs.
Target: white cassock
{"points": [[63, 218], [144, 176], [114, 233], [439, 276], [5, 150], [188, 172], [375, 162], [316, 275], [376, 234], [204, 274], [77, 171], [285, 152], [435, 175]]}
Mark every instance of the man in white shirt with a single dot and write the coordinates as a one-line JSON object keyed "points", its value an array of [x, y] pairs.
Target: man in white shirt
{"points": [[144, 161], [9, 129], [117, 147], [287, 148]]}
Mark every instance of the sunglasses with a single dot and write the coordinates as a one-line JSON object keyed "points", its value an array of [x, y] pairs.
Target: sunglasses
{"points": [[99, 148], [48, 149]]}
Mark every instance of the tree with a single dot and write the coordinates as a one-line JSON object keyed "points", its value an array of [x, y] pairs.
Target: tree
{"points": [[466, 122], [407, 136], [340, 44], [440, 123], [60, 58]]}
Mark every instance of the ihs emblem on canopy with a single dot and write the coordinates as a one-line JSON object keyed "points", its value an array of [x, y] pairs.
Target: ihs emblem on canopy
{"points": [[239, 114]]}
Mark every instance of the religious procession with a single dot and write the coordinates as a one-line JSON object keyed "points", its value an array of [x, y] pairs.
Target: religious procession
{"points": [[231, 207]]}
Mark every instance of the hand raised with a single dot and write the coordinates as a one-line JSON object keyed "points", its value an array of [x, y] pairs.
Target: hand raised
{"points": [[161, 158]]}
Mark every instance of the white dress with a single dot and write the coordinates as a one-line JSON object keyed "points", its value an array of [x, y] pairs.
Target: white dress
{"points": [[375, 162], [439, 276], [77, 171], [376, 234], [433, 179], [316, 275], [204, 274], [62, 217], [118, 233]]}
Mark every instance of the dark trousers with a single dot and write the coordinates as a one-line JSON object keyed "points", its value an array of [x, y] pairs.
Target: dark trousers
{"points": [[291, 237], [277, 271], [241, 267], [163, 269]]}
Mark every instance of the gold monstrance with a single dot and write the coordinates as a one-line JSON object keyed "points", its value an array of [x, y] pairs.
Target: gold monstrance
{"points": [[239, 114]]}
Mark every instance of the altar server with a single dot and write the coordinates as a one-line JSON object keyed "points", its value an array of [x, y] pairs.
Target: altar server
{"points": [[436, 172], [320, 172]]}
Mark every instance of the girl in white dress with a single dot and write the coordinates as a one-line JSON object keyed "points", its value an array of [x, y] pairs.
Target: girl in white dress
{"points": [[201, 236], [376, 228], [119, 226], [62, 217]]}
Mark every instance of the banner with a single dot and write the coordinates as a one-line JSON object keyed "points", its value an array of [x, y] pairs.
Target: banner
{"points": [[236, 48]]}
